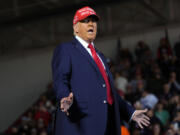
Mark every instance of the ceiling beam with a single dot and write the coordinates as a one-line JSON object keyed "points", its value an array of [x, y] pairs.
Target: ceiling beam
{"points": [[16, 8], [163, 19], [22, 7], [58, 11]]}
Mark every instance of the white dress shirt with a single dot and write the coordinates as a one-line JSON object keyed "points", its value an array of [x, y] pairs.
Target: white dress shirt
{"points": [[85, 45]]}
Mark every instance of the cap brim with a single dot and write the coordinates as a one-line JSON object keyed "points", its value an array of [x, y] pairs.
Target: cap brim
{"points": [[93, 15]]}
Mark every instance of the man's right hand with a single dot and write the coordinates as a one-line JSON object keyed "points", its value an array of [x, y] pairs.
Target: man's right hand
{"points": [[66, 103]]}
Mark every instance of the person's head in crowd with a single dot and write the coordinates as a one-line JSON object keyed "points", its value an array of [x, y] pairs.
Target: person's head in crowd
{"points": [[145, 93], [156, 71], [175, 60], [118, 74], [43, 98], [24, 120], [40, 124], [166, 88], [159, 106], [110, 62], [42, 107], [165, 56], [150, 62], [157, 129], [14, 130], [150, 113], [126, 63], [137, 105], [32, 123], [129, 88], [166, 95], [30, 115], [140, 86], [153, 118], [177, 117], [138, 69], [175, 99], [44, 132], [176, 121], [141, 44], [138, 76], [172, 76], [163, 42], [24, 127], [136, 131], [23, 133], [33, 131], [49, 106], [170, 130], [85, 24]]}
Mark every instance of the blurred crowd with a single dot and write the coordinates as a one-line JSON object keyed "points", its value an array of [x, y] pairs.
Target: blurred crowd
{"points": [[152, 82], [144, 80], [38, 119]]}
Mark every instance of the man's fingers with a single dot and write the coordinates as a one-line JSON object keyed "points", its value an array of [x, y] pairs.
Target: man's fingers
{"points": [[67, 113], [63, 100], [139, 124], [71, 95], [66, 100], [145, 122], [62, 109], [141, 118], [142, 111], [144, 117], [66, 103], [145, 110]]}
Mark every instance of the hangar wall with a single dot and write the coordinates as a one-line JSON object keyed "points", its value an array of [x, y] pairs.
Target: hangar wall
{"points": [[23, 78]]}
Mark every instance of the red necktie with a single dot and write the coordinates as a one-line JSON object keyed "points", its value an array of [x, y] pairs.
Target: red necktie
{"points": [[103, 72]]}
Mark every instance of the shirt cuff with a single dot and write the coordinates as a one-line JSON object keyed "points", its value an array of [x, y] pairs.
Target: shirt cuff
{"points": [[132, 116]]}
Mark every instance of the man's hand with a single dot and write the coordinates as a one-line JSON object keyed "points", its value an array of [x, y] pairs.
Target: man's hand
{"points": [[66, 103], [140, 118]]}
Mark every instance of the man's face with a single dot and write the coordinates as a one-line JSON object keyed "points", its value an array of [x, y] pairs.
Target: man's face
{"points": [[86, 29]]}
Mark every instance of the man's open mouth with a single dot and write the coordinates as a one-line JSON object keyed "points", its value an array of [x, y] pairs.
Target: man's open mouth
{"points": [[90, 31]]}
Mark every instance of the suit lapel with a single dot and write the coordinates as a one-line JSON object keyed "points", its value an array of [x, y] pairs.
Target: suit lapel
{"points": [[84, 52], [107, 67], [110, 77]]}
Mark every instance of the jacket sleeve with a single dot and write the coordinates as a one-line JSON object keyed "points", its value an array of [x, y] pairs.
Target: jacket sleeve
{"points": [[126, 110], [61, 70]]}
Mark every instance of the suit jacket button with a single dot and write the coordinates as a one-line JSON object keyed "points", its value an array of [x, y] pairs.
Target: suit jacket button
{"points": [[104, 85], [104, 101]]}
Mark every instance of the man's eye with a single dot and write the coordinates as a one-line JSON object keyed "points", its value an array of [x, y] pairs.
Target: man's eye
{"points": [[85, 21], [88, 20]]}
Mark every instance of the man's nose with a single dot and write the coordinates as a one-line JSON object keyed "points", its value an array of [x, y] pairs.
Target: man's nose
{"points": [[90, 22]]}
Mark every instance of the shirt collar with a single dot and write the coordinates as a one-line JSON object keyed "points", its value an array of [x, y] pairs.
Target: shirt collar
{"points": [[83, 42]]}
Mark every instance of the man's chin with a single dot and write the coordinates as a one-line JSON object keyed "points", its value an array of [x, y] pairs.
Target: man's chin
{"points": [[92, 38]]}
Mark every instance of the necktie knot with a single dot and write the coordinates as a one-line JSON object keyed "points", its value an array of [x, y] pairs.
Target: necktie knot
{"points": [[90, 46]]}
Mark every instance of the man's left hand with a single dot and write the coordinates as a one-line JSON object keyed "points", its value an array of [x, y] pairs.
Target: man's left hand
{"points": [[140, 118]]}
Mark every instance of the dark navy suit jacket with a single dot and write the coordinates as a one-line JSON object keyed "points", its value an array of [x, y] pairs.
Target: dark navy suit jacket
{"points": [[74, 70]]}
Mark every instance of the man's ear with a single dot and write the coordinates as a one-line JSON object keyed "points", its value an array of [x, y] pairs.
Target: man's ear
{"points": [[75, 27]]}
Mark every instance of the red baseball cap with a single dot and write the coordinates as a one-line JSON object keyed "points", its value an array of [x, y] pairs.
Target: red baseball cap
{"points": [[84, 13]]}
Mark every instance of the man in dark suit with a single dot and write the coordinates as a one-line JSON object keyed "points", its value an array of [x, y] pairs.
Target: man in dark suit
{"points": [[88, 101]]}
